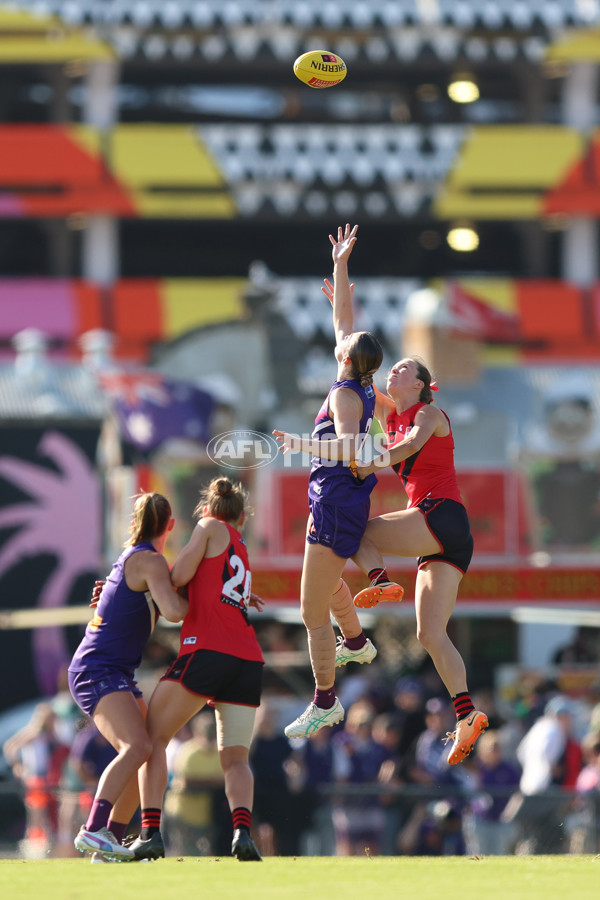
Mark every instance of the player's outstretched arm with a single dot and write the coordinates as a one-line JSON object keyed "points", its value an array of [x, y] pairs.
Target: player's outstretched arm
{"points": [[343, 315]]}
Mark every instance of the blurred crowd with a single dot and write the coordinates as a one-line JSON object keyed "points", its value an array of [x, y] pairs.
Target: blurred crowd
{"points": [[377, 784]]}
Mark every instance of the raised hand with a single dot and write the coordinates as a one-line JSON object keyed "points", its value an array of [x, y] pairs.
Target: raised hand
{"points": [[342, 248], [285, 441], [327, 289]]}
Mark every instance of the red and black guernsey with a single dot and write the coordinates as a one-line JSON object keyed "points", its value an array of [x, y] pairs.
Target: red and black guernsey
{"points": [[218, 595], [430, 471]]}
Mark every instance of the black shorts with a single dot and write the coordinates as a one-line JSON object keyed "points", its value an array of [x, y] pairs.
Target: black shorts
{"points": [[218, 676], [449, 523]]}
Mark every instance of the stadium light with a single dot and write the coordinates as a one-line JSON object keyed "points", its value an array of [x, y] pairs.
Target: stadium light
{"points": [[463, 238], [463, 88]]}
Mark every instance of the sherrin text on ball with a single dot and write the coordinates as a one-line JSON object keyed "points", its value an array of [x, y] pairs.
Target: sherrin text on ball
{"points": [[320, 68]]}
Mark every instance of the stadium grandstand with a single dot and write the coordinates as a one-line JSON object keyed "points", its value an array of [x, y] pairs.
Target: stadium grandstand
{"points": [[167, 186]]}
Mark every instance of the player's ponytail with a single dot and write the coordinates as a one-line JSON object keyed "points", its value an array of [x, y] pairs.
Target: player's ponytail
{"points": [[424, 375], [366, 355], [151, 516], [223, 499]]}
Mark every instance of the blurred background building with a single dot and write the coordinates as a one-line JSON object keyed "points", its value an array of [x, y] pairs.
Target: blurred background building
{"points": [[167, 188]]}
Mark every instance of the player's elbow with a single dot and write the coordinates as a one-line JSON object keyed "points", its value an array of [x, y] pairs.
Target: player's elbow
{"points": [[179, 577], [175, 612]]}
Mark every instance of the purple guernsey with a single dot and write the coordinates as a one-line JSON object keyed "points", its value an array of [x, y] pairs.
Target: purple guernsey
{"points": [[332, 481], [116, 636]]}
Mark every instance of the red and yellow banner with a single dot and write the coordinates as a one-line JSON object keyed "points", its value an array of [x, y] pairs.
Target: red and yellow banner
{"points": [[488, 495], [504, 586]]}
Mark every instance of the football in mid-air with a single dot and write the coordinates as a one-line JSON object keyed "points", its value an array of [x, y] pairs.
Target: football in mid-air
{"points": [[320, 68]]}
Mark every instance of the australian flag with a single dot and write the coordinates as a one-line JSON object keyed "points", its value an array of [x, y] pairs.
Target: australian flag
{"points": [[151, 408]]}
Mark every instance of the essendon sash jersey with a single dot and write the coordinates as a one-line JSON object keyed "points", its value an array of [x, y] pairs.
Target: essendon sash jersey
{"points": [[430, 472], [218, 594]]}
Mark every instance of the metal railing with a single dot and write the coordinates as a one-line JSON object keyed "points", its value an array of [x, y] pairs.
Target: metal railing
{"points": [[553, 822]]}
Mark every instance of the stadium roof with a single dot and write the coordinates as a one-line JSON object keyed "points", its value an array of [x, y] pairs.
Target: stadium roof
{"points": [[33, 386], [226, 171], [373, 32], [325, 14]]}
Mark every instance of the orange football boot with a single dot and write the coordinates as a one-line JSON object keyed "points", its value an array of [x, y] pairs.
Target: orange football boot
{"points": [[468, 730], [378, 593]]}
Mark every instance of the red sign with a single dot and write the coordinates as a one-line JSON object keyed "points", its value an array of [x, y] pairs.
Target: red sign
{"points": [[488, 495], [498, 522], [506, 586]]}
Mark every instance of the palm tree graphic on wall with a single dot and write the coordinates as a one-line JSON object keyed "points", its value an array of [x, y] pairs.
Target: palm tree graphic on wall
{"points": [[61, 518]]}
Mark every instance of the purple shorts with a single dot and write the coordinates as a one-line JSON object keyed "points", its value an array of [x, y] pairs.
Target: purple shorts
{"points": [[338, 527], [88, 687]]}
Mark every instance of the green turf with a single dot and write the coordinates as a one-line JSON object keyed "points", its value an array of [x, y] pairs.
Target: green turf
{"points": [[309, 878]]}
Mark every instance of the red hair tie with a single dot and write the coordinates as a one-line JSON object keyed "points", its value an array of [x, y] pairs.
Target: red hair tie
{"points": [[434, 386]]}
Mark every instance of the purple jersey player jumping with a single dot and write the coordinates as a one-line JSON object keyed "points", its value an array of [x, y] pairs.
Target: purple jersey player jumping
{"points": [[101, 674], [338, 501]]}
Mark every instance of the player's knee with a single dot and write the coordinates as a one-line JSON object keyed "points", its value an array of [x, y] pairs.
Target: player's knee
{"points": [[235, 765], [427, 637], [315, 618], [140, 749]]}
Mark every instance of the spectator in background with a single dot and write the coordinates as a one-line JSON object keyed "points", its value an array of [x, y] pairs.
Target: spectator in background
{"points": [[486, 833], [548, 754], [196, 776], [388, 734], [184, 734], [589, 776], [584, 821], [37, 756], [536, 692], [582, 649], [69, 718], [275, 812], [358, 818], [409, 700], [88, 757], [426, 762], [595, 718], [433, 829], [315, 758], [486, 698], [550, 759]]}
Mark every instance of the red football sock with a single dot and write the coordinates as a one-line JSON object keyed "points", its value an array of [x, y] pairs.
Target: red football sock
{"points": [[463, 705]]}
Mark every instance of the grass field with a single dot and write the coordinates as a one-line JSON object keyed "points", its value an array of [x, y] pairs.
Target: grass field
{"points": [[315, 878]]}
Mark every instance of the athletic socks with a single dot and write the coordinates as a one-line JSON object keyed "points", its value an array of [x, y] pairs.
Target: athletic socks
{"points": [[324, 699], [150, 822], [99, 815], [242, 818], [463, 705], [118, 829], [378, 576], [356, 643]]}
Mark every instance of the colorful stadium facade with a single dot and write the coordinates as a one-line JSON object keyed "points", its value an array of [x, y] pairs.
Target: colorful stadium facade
{"points": [[520, 321]]}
